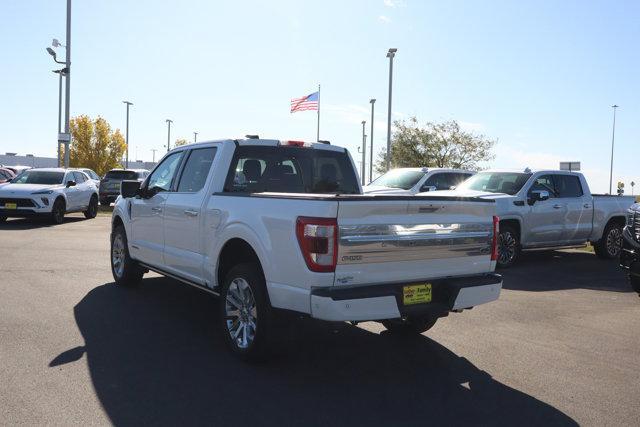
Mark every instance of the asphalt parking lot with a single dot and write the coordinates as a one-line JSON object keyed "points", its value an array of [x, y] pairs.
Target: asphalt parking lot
{"points": [[560, 347]]}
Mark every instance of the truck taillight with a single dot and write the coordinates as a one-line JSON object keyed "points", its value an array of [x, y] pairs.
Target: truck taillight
{"points": [[318, 239], [494, 240]]}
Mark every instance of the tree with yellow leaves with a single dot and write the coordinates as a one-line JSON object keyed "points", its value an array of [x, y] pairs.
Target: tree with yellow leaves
{"points": [[180, 142], [95, 145]]}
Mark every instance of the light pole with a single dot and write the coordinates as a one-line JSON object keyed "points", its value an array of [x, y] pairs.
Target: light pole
{"points": [[195, 137], [613, 140], [390, 54], [60, 73], [372, 101], [169, 121], [364, 152], [126, 138], [153, 150]]}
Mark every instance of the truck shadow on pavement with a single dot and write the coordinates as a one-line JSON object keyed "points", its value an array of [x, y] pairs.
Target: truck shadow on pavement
{"points": [[156, 357], [560, 270]]}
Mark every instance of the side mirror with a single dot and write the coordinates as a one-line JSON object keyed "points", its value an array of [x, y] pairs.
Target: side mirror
{"points": [[428, 188], [538, 196], [129, 188], [71, 183]]}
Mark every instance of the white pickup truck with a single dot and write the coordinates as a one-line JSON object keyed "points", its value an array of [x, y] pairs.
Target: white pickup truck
{"points": [[548, 209], [270, 224]]}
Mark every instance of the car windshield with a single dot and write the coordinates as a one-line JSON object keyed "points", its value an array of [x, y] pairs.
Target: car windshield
{"points": [[496, 182], [399, 178], [39, 177], [120, 175]]}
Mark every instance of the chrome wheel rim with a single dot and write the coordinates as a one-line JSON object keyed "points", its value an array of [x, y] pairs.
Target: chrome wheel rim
{"points": [[241, 314], [117, 255], [506, 247], [614, 242]]}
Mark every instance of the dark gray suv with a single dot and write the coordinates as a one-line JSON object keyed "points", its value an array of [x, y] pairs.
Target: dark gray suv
{"points": [[110, 184]]}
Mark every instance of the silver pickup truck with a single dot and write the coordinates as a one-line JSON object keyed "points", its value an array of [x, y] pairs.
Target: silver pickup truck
{"points": [[548, 209]]}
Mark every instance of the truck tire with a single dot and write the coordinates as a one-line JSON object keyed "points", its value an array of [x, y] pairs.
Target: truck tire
{"points": [[410, 326], [92, 209], [125, 270], [634, 281], [246, 316], [610, 245], [57, 211], [508, 246]]}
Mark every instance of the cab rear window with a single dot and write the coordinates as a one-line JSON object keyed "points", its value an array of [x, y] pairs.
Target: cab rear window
{"points": [[290, 170], [128, 175]]}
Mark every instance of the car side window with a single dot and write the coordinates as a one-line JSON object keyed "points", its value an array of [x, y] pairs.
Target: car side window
{"points": [[441, 181], [162, 177], [568, 186], [78, 177], [544, 183], [196, 169], [69, 177]]}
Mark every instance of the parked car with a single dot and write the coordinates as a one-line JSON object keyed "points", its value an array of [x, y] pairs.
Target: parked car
{"points": [[18, 169], [110, 184], [49, 192], [91, 174], [272, 225], [630, 254], [549, 209], [6, 175], [416, 180]]}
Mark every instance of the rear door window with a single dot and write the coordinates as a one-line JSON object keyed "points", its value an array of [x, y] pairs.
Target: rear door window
{"points": [[79, 177], [442, 181], [568, 186], [257, 169]]}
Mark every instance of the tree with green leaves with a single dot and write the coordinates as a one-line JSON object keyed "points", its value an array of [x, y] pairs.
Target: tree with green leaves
{"points": [[442, 145], [95, 145]]}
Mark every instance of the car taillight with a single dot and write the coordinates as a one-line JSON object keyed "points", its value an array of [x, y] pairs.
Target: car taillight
{"points": [[293, 143], [494, 240], [318, 239]]}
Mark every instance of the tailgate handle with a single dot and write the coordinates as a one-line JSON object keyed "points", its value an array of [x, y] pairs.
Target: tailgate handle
{"points": [[428, 209]]}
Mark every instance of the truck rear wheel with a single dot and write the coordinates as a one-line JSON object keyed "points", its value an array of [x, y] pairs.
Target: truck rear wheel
{"points": [[126, 271], [609, 246], [410, 326], [245, 312]]}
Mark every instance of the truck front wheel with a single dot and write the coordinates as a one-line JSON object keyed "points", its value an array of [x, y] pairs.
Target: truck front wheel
{"points": [[508, 246], [609, 246], [410, 326], [126, 271], [245, 312]]}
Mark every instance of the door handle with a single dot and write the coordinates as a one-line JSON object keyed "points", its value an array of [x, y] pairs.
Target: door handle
{"points": [[557, 206], [156, 209], [586, 206], [189, 212]]}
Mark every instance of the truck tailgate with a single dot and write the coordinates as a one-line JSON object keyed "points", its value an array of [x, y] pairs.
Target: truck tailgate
{"points": [[401, 239]]}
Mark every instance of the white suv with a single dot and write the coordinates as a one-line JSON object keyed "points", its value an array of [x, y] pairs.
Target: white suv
{"points": [[48, 192]]}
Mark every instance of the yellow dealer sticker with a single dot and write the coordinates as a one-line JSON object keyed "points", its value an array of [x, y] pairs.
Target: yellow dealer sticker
{"points": [[10, 206], [416, 294]]}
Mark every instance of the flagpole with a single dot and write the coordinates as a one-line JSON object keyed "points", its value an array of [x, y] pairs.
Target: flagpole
{"points": [[318, 133]]}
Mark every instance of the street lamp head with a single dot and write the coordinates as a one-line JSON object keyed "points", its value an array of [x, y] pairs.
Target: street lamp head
{"points": [[52, 52], [372, 100], [614, 106], [127, 102], [169, 121], [392, 52], [364, 122]]}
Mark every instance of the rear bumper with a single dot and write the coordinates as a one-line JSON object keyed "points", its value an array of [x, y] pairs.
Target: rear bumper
{"points": [[378, 302]]}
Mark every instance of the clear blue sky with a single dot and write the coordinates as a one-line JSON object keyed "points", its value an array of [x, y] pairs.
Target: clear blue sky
{"points": [[538, 76]]}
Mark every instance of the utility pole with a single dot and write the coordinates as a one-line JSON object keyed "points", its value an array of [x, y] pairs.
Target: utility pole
{"points": [[390, 54], [169, 121], [127, 134], [60, 73], [154, 154], [67, 86], [364, 152], [372, 101], [195, 137], [613, 140]]}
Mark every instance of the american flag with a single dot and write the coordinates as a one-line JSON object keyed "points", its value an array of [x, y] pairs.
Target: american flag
{"points": [[309, 102]]}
